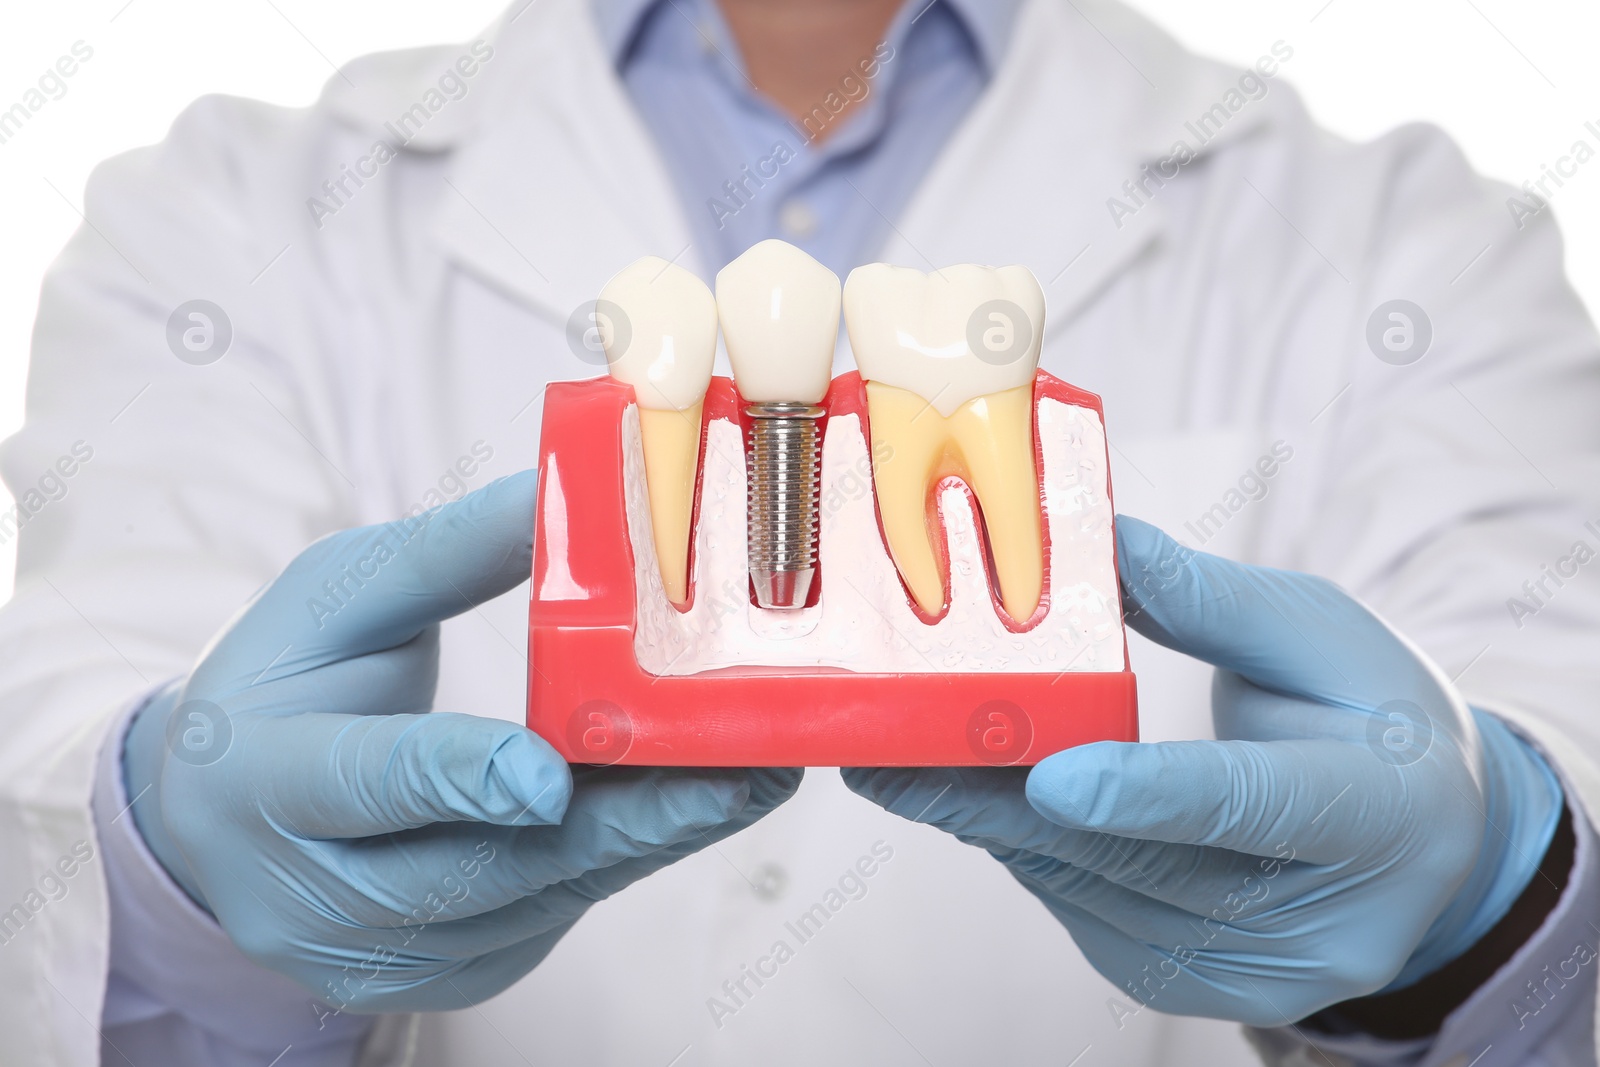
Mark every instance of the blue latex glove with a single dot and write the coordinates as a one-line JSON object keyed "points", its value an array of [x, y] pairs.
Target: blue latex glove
{"points": [[384, 858], [1358, 827]]}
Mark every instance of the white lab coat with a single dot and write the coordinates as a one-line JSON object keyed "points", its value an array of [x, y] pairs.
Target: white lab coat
{"points": [[1225, 315]]}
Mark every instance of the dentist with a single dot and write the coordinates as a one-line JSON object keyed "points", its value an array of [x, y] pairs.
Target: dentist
{"points": [[243, 829]]}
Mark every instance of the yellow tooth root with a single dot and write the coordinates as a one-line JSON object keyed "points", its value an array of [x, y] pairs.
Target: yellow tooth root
{"points": [[671, 462], [987, 443]]}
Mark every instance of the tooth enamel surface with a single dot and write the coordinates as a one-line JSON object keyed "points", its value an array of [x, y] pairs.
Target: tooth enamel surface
{"points": [[863, 621], [780, 319], [949, 360], [912, 330], [664, 347]]}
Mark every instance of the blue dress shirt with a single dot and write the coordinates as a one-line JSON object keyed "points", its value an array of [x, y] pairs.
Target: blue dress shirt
{"points": [[831, 182]]}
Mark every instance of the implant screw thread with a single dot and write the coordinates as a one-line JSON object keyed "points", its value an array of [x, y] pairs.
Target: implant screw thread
{"points": [[783, 468]]}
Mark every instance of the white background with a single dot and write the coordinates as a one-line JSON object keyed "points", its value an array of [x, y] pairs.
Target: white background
{"points": [[1514, 82]]}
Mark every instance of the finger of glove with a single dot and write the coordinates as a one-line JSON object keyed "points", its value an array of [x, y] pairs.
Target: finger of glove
{"points": [[556, 907], [455, 981], [414, 967], [946, 797], [395, 681], [618, 814], [989, 809], [1401, 734], [1224, 885], [985, 807], [1243, 711], [637, 820], [1324, 800], [1191, 877], [334, 776], [1286, 631], [767, 789], [533, 915], [1185, 967], [1130, 914], [517, 883], [1119, 956], [481, 977], [376, 587], [464, 929], [1256, 961]]}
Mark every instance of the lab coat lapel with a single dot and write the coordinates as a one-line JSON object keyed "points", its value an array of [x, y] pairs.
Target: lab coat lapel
{"points": [[1089, 93], [561, 185]]}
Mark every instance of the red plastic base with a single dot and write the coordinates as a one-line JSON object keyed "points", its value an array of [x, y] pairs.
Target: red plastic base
{"points": [[589, 698]]}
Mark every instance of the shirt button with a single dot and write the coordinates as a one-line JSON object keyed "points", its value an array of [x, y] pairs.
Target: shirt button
{"points": [[797, 219], [768, 881]]}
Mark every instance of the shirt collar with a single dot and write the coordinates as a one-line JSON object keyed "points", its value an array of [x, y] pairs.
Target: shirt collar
{"points": [[988, 22], [618, 22]]}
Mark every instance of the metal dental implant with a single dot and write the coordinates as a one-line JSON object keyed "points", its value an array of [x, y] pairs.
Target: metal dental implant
{"points": [[779, 310], [784, 473]]}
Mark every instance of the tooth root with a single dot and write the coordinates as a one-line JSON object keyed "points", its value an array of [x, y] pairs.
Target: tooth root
{"points": [[988, 443], [671, 465], [664, 346], [908, 450], [995, 434]]}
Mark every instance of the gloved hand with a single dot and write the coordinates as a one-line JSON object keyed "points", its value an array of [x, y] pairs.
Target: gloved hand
{"points": [[1357, 828], [384, 858]]}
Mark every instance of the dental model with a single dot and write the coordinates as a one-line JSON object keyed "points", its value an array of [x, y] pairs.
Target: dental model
{"points": [[959, 603]]}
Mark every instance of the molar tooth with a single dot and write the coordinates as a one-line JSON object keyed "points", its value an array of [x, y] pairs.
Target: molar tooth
{"points": [[665, 351], [949, 360]]}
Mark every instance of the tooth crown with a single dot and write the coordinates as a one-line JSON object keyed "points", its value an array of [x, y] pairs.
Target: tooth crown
{"points": [[780, 319], [660, 333], [951, 336]]}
